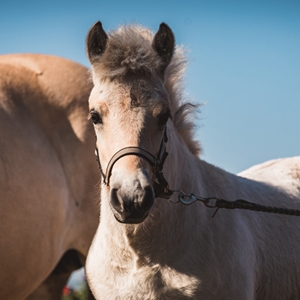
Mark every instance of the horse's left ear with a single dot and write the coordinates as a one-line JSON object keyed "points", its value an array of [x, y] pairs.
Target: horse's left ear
{"points": [[164, 44], [96, 41]]}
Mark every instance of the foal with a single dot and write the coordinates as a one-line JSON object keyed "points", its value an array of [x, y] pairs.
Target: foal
{"points": [[146, 247]]}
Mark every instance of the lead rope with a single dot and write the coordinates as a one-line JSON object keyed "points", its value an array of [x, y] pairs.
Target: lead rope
{"points": [[162, 190], [214, 202]]}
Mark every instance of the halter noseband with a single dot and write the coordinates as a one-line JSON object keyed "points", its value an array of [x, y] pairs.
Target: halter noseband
{"points": [[161, 186]]}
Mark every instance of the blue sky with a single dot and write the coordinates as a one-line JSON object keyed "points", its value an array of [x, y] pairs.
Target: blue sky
{"points": [[244, 62]]}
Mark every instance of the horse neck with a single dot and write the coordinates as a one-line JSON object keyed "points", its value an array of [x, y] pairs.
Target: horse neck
{"points": [[183, 169]]}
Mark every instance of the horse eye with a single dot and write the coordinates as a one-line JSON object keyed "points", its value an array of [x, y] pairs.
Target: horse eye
{"points": [[163, 118], [95, 117]]}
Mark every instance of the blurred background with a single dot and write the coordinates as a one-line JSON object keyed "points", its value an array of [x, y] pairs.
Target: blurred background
{"points": [[244, 62]]}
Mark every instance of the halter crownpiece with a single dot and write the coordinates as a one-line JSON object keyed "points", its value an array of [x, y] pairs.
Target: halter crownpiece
{"points": [[161, 186]]}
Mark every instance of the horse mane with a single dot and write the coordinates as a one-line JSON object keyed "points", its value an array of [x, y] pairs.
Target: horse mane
{"points": [[129, 51], [183, 111]]}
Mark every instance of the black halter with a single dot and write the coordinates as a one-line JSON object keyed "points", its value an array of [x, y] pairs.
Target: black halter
{"points": [[161, 186]]}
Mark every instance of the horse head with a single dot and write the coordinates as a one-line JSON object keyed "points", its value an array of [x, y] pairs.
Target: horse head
{"points": [[130, 109]]}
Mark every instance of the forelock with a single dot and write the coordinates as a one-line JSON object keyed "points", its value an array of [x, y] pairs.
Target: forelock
{"points": [[129, 51]]}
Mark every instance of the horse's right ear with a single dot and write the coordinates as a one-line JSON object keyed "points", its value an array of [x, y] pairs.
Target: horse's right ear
{"points": [[96, 41]]}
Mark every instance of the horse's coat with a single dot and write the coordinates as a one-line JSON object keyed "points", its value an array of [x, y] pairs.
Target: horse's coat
{"points": [[47, 174], [176, 251]]}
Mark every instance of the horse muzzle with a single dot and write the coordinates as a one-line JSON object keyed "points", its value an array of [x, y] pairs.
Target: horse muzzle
{"points": [[132, 200], [131, 205]]}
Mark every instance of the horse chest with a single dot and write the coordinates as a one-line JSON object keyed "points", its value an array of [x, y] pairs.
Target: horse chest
{"points": [[148, 282], [119, 272]]}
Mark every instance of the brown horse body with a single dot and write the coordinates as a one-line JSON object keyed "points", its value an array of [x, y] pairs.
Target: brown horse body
{"points": [[47, 213]]}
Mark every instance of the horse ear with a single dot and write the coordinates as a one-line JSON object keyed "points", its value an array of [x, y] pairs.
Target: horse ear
{"points": [[164, 44], [96, 41]]}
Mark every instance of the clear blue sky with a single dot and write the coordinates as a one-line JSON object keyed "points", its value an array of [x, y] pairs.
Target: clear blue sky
{"points": [[244, 62]]}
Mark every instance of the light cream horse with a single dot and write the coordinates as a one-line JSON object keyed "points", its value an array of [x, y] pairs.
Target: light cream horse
{"points": [[48, 175], [147, 248]]}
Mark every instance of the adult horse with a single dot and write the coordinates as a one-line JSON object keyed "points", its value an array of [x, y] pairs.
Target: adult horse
{"points": [[148, 248], [48, 215]]}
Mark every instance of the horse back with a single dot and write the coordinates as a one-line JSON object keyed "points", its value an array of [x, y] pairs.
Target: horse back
{"points": [[283, 173]]}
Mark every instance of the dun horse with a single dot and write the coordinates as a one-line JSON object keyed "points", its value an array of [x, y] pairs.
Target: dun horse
{"points": [[48, 215], [146, 247]]}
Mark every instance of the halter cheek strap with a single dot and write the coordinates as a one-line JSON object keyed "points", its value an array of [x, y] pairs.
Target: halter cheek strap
{"points": [[161, 186]]}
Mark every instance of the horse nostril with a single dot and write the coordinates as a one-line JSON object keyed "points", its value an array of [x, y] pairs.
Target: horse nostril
{"points": [[131, 206], [148, 198], [115, 201]]}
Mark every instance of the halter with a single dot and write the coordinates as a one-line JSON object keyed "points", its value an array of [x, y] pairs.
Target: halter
{"points": [[160, 186]]}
